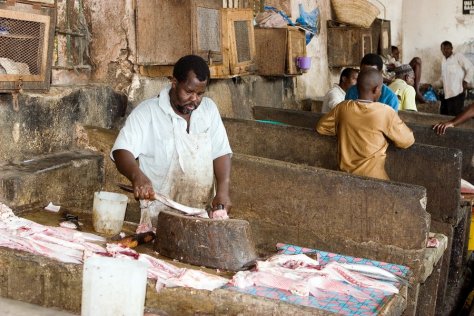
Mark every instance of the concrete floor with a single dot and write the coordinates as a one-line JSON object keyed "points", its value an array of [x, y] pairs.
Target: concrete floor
{"points": [[10, 307]]}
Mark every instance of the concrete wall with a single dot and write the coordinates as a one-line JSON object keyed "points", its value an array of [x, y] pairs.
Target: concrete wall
{"points": [[304, 146], [47, 123], [459, 138]]}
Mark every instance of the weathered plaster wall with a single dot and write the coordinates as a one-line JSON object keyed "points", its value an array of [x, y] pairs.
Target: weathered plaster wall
{"points": [[317, 81], [427, 23], [113, 41], [392, 11], [415, 27]]}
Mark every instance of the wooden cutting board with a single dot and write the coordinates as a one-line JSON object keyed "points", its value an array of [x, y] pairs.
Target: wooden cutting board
{"points": [[222, 244]]}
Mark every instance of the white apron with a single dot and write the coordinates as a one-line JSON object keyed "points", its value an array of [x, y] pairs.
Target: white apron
{"points": [[190, 178]]}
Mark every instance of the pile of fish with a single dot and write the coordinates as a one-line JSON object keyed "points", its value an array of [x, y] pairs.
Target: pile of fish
{"points": [[63, 244], [71, 246], [302, 275]]}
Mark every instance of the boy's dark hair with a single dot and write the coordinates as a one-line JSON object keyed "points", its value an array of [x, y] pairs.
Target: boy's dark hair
{"points": [[191, 62], [447, 43], [372, 60], [394, 48], [346, 73]]}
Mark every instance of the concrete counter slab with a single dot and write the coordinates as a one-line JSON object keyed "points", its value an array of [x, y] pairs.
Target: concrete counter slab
{"points": [[67, 178]]}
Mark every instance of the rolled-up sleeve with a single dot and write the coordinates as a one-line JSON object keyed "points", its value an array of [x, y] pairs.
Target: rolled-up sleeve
{"points": [[131, 135]]}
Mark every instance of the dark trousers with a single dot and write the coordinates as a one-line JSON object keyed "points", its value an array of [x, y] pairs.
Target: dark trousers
{"points": [[452, 106]]}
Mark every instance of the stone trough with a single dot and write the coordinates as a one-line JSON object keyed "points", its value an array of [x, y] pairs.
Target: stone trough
{"points": [[437, 169], [267, 193], [459, 138]]}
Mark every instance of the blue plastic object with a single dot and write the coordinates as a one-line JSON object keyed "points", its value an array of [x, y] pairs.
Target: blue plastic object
{"points": [[430, 95], [309, 21]]}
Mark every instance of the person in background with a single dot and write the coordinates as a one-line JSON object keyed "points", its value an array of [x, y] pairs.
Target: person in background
{"points": [[337, 93], [387, 96], [456, 73], [402, 86], [467, 114], [394, 62], [180, 143], [362, 128]]}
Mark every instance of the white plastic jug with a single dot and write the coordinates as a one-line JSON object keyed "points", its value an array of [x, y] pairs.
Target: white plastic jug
{"points": [[112, 287], [108, 212]]}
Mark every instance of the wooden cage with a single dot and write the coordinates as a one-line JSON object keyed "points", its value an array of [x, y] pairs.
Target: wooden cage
{"points": [[381, 37], [26, 45], [238, 27], [277, 49], [168, 30], [347, 44]]}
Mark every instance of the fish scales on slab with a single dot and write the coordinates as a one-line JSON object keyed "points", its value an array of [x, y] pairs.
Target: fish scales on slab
{"points": [[303, 276], [71, 246]]}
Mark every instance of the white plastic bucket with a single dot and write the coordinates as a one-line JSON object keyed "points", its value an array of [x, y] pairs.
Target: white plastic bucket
{"points": [[108, 212], [113, 286]]}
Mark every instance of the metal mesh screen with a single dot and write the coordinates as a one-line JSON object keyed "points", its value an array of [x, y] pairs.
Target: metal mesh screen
{"points": [[209, 29], [21, 46], [242, 40]]}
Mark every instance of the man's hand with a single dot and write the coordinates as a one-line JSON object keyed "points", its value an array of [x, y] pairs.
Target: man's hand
{"points": [[127, 165], [142, 187], [425, 86], [391, 67], [223, 200], [465, 84], [440, 128]]}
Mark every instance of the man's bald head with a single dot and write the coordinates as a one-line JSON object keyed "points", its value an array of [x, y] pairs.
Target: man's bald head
{"points": [[369, 84]]}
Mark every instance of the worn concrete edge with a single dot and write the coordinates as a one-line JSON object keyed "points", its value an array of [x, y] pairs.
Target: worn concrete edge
{"points": [[432, 256], [415, 259]]}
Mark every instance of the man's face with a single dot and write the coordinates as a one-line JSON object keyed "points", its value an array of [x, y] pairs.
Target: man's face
{"points": [[447, 50], [353, 78], [187, 95], [396, 54], [378, 91], [410, 78]]}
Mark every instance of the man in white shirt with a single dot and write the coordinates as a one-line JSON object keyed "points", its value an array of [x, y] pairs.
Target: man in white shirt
{"points": [[456, 73], [337, 93], [180, 143]]}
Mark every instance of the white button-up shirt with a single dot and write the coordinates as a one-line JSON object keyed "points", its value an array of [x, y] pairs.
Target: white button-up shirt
{"points": [[454, 70], [334, 96], [149, 134]]}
